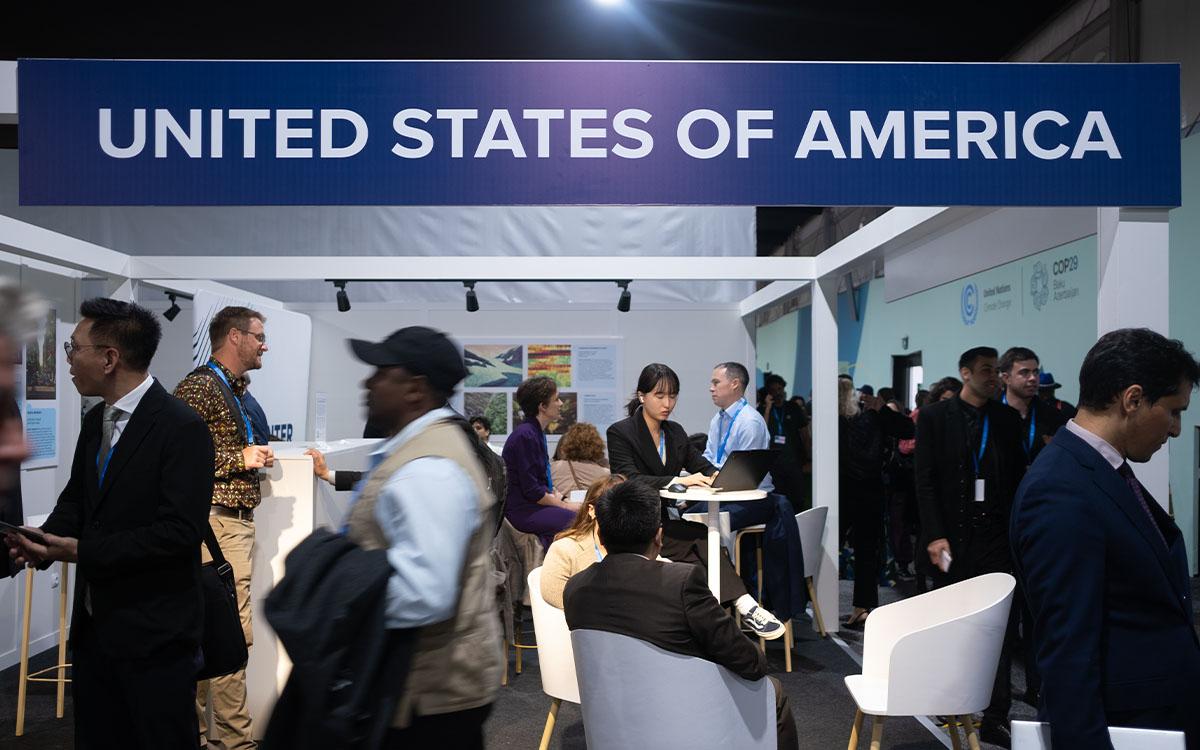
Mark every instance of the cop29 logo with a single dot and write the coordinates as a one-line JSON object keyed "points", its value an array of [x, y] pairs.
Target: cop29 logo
{"points": [[970, 304], [1039, 285]]}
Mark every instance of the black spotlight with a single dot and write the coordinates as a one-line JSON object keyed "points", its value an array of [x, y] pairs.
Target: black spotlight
{"points": [[343, 300], [472, 300], [173, 310], [626, 297]]}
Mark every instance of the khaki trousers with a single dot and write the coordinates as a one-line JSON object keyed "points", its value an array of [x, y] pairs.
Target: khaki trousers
{"points": [[231, 728]]}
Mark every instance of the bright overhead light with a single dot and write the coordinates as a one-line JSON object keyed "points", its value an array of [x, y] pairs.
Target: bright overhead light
{"points": [[610, 3]]}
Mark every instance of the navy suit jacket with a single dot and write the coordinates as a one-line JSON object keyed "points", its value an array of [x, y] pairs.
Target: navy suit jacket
{"points": [[1111, 603]]}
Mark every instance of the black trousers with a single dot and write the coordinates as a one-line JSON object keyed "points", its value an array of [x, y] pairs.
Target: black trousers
{"points": [[687, 541], [144, 704], [785, 723], [865, 507], [460, 730], [986, 551]]}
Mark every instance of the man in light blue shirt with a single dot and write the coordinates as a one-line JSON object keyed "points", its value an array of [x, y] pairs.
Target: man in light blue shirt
{"points": [[738, 426]]}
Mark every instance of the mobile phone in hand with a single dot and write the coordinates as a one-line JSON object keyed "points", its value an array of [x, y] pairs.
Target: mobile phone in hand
{"points": [[34, 536]]}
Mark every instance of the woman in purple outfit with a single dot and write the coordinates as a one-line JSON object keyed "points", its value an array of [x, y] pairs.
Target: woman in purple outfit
{"points": [[533, 506]]}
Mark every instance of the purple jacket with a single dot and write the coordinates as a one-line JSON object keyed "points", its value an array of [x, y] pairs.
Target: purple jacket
{"points": [[526, 460]]}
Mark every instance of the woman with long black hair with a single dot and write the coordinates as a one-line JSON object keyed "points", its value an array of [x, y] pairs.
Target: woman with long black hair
{"points": [[647, 447]]}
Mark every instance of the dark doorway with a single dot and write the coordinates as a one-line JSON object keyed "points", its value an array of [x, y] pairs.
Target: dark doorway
{"points": [[907, 376]]}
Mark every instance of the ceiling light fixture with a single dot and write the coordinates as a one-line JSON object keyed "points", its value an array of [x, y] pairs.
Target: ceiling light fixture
{"points": [[472, 300], [174, 309], [343, 299], [626, 297]]}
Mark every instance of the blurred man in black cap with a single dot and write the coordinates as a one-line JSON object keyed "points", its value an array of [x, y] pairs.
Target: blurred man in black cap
{"points": [[1046, 390], [427, 499]]}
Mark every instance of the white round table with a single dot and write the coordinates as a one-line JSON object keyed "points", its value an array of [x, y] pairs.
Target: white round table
{"points": [[714, 499]]}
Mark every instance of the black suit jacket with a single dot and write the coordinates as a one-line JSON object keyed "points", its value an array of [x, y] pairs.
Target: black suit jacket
{"points": [[945, 470], [667, 604], [140, 533], [633, 454], [1111, 603]]}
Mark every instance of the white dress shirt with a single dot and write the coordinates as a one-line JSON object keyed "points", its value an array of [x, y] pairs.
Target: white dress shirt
{"points": [[127, 404], [1102, 446]]}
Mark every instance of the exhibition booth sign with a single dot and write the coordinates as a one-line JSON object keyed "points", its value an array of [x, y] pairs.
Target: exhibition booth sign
{"points": [[104, 132]]}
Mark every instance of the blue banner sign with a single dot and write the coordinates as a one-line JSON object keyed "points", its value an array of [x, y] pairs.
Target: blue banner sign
{"points": [[96, 132]]}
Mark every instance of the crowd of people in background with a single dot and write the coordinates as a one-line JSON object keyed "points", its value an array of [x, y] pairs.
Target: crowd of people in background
{"points": [[987, 472]]}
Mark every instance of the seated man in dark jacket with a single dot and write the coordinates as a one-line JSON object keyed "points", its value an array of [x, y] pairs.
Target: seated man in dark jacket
{"points": [[667, 604]]}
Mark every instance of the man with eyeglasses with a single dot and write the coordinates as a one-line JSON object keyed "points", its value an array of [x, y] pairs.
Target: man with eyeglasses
{"points": [[217, 392]]}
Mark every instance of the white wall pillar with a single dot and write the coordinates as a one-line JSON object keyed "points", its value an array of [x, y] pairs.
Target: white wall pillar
{"points": [[825, 440], [1134, 267]]}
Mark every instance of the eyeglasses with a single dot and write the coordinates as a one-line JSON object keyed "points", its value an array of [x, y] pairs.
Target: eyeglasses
{"points": [[261, 337], [70, 347]]}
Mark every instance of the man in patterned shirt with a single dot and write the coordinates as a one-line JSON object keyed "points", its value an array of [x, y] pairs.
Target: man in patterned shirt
{"points": [[215, 391]]}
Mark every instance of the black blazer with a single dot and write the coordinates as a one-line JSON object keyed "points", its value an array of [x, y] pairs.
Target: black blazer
{"points": [[1111, 603], [140, 534], [633, 454], [667, 604], [945, 470]]}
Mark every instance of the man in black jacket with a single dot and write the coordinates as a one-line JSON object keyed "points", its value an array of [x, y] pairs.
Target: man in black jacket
{"points": [[131, 516], [631, 593], [969, 461]]}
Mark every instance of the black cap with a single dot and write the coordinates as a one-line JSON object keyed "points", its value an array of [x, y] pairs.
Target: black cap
{"points": [[421, 351], [867, 390]]}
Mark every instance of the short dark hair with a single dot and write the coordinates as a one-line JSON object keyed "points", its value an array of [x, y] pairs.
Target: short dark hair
{"points": [[938, 389], [770, 378], [228, 318], [972, 355], [533, 393], [129, 327], [887, 394], [736, 370], [628, 516], [1134, 356], [487, 423], [1017, 354]]}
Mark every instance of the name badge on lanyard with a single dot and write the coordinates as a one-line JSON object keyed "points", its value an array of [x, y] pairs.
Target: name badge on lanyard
{"points": [[721, 447], [779, 438], [980, 496]]}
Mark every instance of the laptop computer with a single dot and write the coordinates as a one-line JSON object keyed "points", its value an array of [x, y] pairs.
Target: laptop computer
{"points": [[1035, 735], [744, 470]]}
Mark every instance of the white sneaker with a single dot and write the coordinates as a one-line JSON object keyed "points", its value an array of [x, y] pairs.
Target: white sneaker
{"points": [[762, 623]]}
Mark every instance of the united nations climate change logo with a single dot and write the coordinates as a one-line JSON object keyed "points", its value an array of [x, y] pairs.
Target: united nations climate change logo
{"points": [[1039, 285], [970, 304]]}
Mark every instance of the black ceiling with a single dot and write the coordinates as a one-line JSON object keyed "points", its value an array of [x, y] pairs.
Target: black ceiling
{"points": [[541, 29]]}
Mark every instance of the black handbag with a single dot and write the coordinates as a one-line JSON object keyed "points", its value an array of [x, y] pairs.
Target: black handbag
{"points": [[223, 643]]}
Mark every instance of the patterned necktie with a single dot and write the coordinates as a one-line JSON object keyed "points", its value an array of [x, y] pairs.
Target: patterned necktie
{"points": [[1127, 472], [111, 415]]}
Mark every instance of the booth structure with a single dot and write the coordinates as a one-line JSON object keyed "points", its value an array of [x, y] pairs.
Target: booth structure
{"points": [[956, 181]]}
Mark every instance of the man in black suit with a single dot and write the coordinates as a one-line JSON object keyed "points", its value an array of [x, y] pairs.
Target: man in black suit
{"points": [[1102, 563], [969, 461], [131, 517], [667, 604]]}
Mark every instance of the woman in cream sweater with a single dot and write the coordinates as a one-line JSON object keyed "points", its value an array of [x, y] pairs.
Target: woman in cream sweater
{"points": [[577, 546]]}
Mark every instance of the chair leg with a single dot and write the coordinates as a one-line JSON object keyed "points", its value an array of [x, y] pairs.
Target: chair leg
{"points": [[876, 732], [812, 595], [788, 644], [758, 557], [549, 730], [22, 685], [62, 638], [952, 727], [737, 554], [517, 646], [972, 732], [855, 728]]}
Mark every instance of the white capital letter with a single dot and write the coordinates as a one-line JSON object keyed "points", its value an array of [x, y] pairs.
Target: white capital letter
{"points": [[745, 132], [543, 117], [139, 135], [625, 130], [190, 139], [1107, 144], [922, 133], [1028, 135], [456, 118], [683, 134], [328, 117], [829, 141], [500, 120], [404, 130], [579, 132], [892, 130], [284, 132], [249, 118], [981, 138]]}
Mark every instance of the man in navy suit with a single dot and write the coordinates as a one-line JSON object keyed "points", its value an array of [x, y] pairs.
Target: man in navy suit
{"points": [[1103, 565]]}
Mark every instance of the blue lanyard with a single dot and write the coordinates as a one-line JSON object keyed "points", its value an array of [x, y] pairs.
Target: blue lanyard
{"points": [[238, 401], [662, 445], [982, 446], [778, 414], [549, 474], [721, 446], [1032, 424], [597, 548], [104, 469]]}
